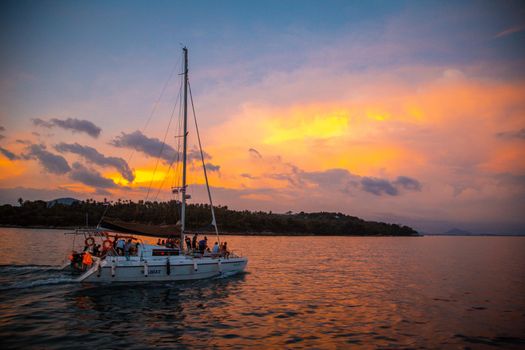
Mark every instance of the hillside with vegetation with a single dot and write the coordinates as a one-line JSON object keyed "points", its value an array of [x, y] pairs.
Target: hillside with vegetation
{"points": [[198, 218]]}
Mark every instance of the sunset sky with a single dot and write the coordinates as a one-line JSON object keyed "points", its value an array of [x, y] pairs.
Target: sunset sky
{"points": [[406, 112]]}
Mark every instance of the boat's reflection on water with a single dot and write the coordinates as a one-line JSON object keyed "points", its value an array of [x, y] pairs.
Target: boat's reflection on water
{"points": [[168, 310]]}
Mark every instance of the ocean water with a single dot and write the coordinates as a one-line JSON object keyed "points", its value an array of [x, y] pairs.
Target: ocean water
{"points": [[297, 292]]}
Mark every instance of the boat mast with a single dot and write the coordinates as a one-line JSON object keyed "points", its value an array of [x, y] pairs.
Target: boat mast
{"points": [[183, 207]]}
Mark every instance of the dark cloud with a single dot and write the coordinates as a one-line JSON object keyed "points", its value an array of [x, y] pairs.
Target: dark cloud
{"points": [[381, 187], [248, 176], [93, 156], [23, 142], [516, 134], [212, 167], [255, 153], [8, 154], [2, 137], [345, 181], [340, 178], [2, 128], [75, 125], [90, 177], [42, 123], [53, 163], [407, 183], [378, 186], [151, 147], [195, 154], [295, 177]]}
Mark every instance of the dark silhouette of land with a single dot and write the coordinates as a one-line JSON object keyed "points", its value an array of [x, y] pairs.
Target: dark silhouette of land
{"points": [[74, 213]]}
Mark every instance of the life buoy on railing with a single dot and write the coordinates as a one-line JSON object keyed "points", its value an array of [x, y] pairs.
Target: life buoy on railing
{"points": [[89, 241], [107, 244]]}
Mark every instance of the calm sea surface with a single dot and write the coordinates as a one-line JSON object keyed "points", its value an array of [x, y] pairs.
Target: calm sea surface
{"points": [[298, 292]]}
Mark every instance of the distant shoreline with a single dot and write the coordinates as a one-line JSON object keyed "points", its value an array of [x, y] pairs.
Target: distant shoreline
{"points": [[263, 234], [275, 234]]}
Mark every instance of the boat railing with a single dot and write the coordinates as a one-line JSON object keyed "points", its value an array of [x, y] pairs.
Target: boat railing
{"points": [[87, 231]]}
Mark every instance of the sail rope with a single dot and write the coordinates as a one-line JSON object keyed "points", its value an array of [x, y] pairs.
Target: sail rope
{"points": [[163, 145], [176, 157], [214, 222], [153, 110]]}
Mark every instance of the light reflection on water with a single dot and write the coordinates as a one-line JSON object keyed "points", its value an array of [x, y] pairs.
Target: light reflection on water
{"points": [[298, 292]]}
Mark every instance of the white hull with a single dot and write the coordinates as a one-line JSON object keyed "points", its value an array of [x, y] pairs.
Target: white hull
{"points": [[118, 269]]}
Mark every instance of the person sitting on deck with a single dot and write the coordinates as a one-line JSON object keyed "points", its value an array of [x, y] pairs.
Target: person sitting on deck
{"points": [[215, 251], [159, 242], [163, 242], [203, 244], [207, 252]]}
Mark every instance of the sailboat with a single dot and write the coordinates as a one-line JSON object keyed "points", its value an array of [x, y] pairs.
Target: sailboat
{"points": [[126, 258]]}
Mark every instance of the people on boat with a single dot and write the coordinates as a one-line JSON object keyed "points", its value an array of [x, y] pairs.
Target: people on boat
{"points": [[215, 250], [224, 250], [203, 244], [107, 247], [188, 243], [127, 248], [163, 242], [207, 252], [120, 247], [87, 260], [194, 242], [76, 260], [159, 242], [96, 250]]}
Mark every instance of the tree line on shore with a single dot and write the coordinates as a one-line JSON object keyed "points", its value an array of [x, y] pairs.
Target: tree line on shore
{"points": [[198, 218]]}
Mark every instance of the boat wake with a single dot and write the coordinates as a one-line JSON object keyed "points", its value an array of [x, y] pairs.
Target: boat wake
{"points": [[30, 276], [227, 274], [22, 268], [37, 283]]}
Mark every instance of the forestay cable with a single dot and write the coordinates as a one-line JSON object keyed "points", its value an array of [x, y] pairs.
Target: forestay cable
{"points": [[214, 222]]}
